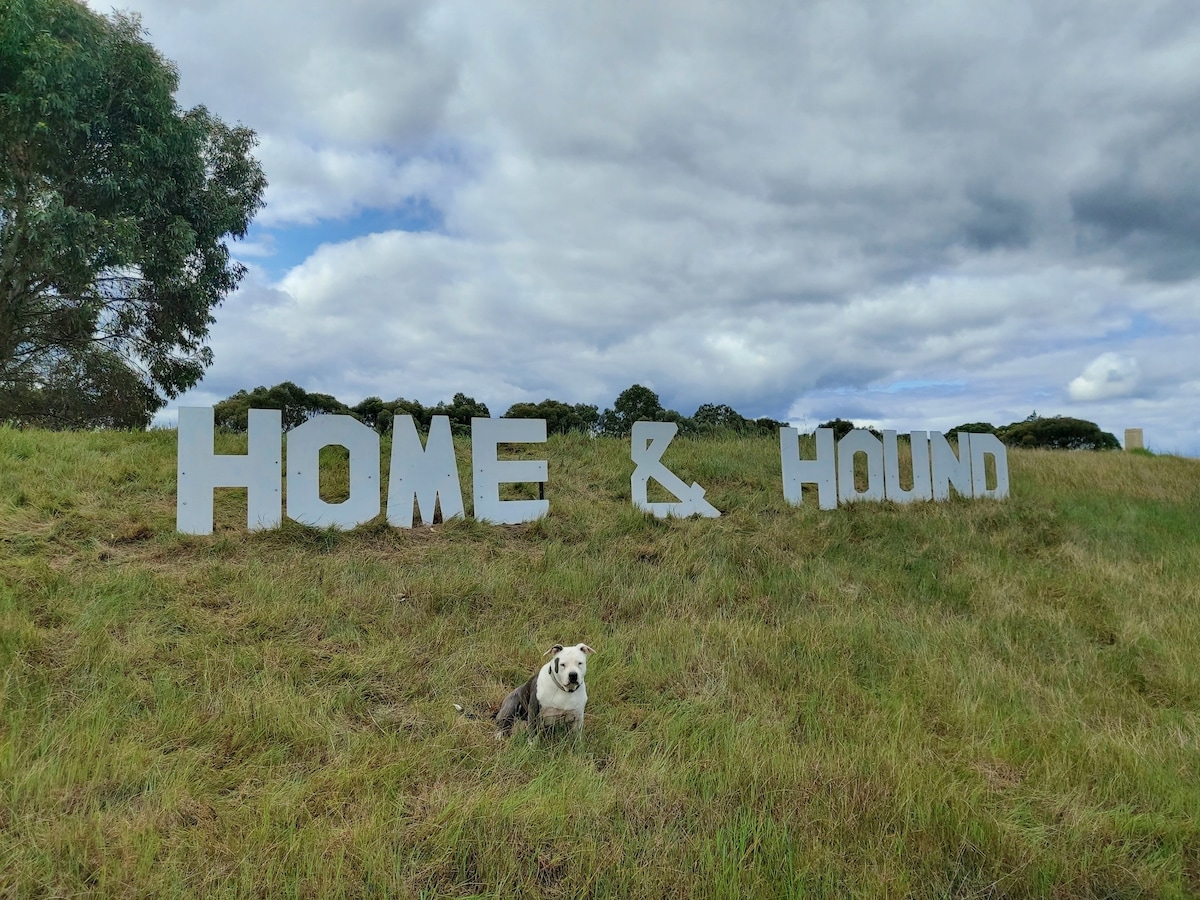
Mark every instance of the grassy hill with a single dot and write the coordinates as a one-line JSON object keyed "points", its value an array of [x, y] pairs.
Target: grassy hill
{"points": [[970, 699]]}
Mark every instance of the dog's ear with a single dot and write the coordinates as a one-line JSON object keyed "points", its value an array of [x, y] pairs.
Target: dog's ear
{"points": [[586, 649], [557, 648]]}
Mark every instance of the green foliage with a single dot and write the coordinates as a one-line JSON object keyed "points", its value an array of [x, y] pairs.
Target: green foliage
{"points": [[460, 410], [714, 416], [842, 427], [373, 412], [767, 425], [560, 417], [1058, 433], [233, 413], [114, 209], [87, 391], [964, 699], [974, 428], [636, 403]]}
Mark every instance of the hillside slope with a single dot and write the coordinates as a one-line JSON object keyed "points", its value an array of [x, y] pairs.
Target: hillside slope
{"points": [[969, 699]]}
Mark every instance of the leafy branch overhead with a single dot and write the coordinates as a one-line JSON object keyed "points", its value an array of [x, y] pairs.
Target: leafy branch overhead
{"points": [[115, 209]]}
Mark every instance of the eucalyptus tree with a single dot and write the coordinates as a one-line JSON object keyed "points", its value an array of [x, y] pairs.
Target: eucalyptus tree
{"points": [[115, 209]]}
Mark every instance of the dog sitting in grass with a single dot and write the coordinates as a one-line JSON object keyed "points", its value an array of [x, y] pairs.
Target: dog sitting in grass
{"points": [[556, 692]]}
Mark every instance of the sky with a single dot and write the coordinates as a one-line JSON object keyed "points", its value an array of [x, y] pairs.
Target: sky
{"points": [[909, 215]]}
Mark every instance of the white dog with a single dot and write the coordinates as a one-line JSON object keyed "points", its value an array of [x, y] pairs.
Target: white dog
{"points": [[555, 692]]}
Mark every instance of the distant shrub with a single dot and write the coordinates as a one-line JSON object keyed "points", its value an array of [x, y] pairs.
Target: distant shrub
{"points": [[842, 427], [975, 428], [560, 417], [1058, 433]]}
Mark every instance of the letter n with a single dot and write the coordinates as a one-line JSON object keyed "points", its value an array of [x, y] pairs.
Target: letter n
{"points": [[948, 469], [200, 471]]}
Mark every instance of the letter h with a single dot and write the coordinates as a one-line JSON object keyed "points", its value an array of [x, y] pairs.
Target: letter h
{"points": [[200, 470], [821, 471]]}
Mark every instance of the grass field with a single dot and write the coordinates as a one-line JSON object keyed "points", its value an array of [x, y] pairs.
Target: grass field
{"points": [[969, 699]]}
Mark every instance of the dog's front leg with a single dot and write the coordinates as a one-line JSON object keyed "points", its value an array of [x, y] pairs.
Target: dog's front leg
{"points": [[535, 717]]}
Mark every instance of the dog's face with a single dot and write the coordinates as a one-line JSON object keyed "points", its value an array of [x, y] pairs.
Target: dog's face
{"points": [[569, 665]]}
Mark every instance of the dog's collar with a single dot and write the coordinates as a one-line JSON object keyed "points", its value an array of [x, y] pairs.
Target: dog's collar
{"points": [[565, 688]]}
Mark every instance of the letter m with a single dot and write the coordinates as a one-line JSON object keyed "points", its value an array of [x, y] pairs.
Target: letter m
{"points": [[427, 474]]}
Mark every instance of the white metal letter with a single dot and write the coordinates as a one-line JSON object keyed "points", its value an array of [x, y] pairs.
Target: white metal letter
{"points": [[650, 440], [200, 470], [949, 469], [489, 472], [304, 443], [860, 441], [984, 445], [428, 474], [922, 484], [797, 472]]}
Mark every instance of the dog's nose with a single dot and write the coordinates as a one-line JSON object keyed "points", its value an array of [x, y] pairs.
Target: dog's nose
{"points": [[573, 677]]}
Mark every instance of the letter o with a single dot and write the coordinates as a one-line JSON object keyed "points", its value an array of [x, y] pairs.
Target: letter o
{"points": [[304, 444]]}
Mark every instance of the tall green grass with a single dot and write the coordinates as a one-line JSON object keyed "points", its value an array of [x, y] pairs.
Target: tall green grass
{"points": [[969, 699]]}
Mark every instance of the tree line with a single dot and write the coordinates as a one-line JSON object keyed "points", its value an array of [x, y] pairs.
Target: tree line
{"points": [[1032, 432], [1049, 432], [636, 403]]}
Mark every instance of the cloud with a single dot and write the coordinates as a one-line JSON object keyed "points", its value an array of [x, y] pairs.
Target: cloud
{"points": [[1108, 375], [790, 208]]}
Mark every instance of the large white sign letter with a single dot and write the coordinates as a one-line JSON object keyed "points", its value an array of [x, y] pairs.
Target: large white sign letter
{"points": [[860, 441], [428, 474], [949, 469], [650, 440], [922, 485], [490, 472], [798, 472], [982, 446], [304, 445], [200, 470]]}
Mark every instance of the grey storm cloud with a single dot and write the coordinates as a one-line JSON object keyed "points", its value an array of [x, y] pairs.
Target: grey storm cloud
{"points": [[775, 205]]}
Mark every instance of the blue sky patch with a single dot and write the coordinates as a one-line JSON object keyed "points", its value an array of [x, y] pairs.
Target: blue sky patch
{"points": [[290, 245]]}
